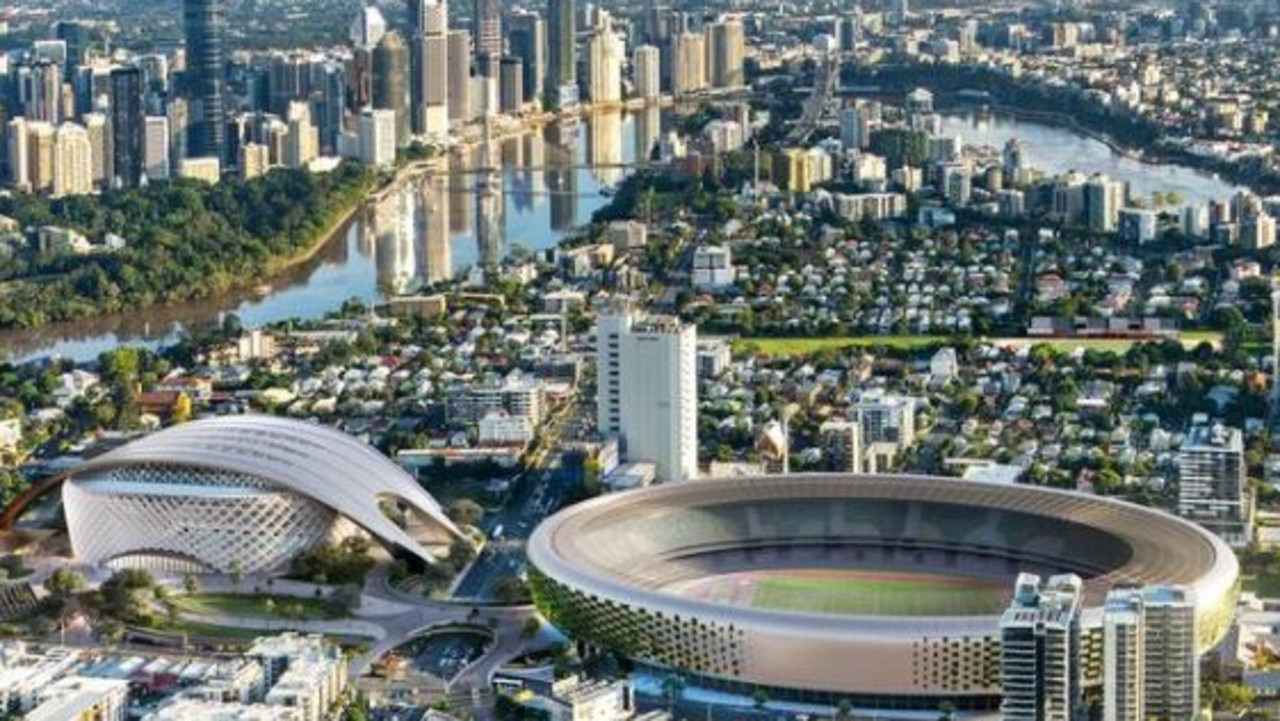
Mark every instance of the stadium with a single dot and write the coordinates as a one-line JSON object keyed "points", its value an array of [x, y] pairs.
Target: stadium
{"points": [[885, 591], [251, 491]]}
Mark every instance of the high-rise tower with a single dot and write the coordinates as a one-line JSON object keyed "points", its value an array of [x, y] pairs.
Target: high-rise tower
{"points": [[205, 22], [126, 125], [429, 66], [562, 70], [390, 77]]}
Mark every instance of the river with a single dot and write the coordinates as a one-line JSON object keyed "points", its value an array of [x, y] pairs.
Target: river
{"points": [[550, 184], [1055, 149]]}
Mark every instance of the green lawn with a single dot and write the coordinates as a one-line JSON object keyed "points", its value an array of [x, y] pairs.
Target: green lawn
{"points": [[875, 597], [809, 346], [264, 605], [1264, 586]]}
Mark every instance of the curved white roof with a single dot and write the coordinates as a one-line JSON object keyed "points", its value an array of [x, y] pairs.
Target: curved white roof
{"points": [[311, 460]]}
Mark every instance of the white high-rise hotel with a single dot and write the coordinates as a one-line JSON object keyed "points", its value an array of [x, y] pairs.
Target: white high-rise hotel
{"points": [[647, 391]]}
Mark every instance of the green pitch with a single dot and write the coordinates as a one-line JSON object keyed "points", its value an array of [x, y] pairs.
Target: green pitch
{"points": [[871, 596]]}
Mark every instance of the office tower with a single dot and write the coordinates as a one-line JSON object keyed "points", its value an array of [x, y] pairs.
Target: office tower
{"points": [[95, 125], [359, 88], [646, 65], [689, 63], [72, 161], [851, 30], [303, 144], [289, 77], [459, 75], [254, 160], [527, 40], [179, 131], [1014, 158], [1150, 666], [378, 138], [726, 49], [18, 149], [205, 22], [332, 106], [367, 28], [605, 55], [1040, 650], [156, 147], [77, 38], [390, 76], [855, 129], [126, 126], [1103, 199], [511, 85], [486, 33], [1212, 489], [429, 66], [562, 60], [39, 87], [40, 146], [648, 391]]}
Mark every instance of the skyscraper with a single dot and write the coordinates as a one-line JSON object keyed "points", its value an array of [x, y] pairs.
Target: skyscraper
{"points": [[99, 148], [1103, 198], [126, 125], [205, 23], [726, 49], [18, 148], [527, 40], [511, 85], [562, 61], [1040, 649], [155, 152], [1212, 488], [647, 390], [689, 63], [459, 75], [486, 33], [1151, 670], [72, 161], [41, 137], [76, 36], [368, 27], [429, 66], [646, 70], [605, 55], [390, 76]]}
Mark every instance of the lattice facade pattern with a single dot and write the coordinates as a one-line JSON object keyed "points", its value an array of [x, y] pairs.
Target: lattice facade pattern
{"points": [[148, 515]]}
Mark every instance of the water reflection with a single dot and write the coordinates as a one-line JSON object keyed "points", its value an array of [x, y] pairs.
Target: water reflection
{"points": [[1057, 150], [426, 232]]}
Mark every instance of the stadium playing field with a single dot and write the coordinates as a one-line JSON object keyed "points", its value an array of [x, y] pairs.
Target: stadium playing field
{"points": [[850, 592]]}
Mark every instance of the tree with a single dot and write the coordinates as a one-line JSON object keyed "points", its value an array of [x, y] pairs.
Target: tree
{"points": [[343, 601], [466, 512], [64, 583], [190, 584], [844, 709]]}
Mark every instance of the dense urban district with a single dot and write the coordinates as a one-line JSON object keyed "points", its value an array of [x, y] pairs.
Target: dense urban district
{"points": [[881, 360]]}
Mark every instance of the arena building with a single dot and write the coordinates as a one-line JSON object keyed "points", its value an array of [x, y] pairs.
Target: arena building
{"points": [[885, 591], [247, 490]]}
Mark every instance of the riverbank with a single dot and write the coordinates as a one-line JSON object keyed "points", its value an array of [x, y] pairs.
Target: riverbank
{"points": [[1126, 134], [183, 241]]}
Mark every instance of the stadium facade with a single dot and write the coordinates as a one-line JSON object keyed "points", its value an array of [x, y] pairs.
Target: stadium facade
{"points": [[249, 490], [616, 573]]}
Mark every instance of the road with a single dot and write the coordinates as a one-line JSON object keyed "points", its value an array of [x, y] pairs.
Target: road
{"points": [[825, 80]]}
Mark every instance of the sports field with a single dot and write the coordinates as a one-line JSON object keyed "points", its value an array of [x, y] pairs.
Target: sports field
{"points": [[850, 592]]}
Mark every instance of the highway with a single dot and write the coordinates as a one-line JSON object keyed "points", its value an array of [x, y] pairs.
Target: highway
{"points": [[826, 79]]}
